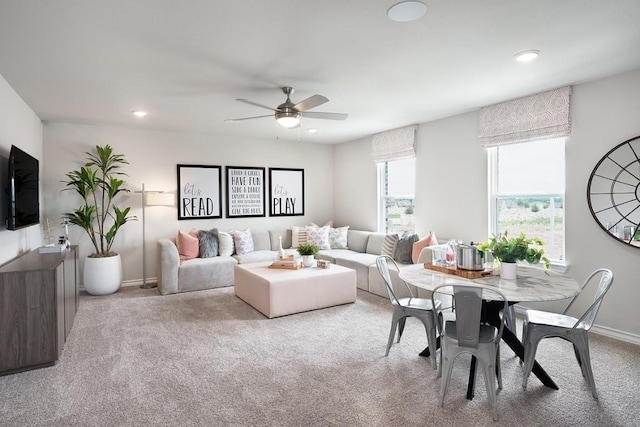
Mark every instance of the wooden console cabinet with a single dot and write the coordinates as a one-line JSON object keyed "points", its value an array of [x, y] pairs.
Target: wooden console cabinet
{"points": [[38, 302]]}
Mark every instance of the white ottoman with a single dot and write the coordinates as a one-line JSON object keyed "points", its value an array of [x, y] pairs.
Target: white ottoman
{"points": [[278, 292]]}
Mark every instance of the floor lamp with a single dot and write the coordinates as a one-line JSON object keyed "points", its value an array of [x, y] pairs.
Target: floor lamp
{"points": [[151, 198]]}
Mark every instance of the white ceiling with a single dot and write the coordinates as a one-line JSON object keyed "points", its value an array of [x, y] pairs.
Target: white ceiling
{"points": [[94, 61]]}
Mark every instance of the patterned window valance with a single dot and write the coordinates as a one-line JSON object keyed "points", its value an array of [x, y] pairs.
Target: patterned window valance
{"points": [[394, 144], [541, 116]]}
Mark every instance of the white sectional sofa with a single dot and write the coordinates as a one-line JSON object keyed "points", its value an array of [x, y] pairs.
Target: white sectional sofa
{"points": [[205, 273]]}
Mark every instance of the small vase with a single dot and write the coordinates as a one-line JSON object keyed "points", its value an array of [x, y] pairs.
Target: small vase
{"points": [[307, 260], [508, 270], [281, 253]]}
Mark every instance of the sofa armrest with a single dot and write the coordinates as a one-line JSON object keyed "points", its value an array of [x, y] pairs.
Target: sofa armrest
{"points": [[168, 264], [426, 255]]}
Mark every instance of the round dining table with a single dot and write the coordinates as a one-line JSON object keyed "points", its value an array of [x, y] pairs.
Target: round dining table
{"points": [[531, 284]]}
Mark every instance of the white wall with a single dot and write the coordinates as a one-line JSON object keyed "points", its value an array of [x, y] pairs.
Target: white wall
{"points": [[153, 156], [20, 127], [451, 189]]}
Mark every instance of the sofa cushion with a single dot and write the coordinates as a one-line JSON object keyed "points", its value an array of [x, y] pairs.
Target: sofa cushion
{"points": [[225, 244], [357, 240], [188, 244], [208, 243], [261, 241], [338, 237], [428, 240], [243, 241], [405, 247], [205, 273], [274, 237], [318, 236], [375, 242]]}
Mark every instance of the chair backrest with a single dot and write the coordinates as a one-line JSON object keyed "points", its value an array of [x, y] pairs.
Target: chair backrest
{"points": [[606, 280], [468, 302], [383, 269]]}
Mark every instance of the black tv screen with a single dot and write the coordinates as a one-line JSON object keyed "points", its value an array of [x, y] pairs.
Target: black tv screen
{"points": [[24, 204]]}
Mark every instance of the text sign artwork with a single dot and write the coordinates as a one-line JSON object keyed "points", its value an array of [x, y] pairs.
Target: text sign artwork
{"points": [[286, 192], [199, 192], [245, 192]]}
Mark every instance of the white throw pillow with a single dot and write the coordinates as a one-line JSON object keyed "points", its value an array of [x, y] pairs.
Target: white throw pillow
{"points": [[319, 236], [338, 237], [225, 244], [243, 241], [389, 245]]}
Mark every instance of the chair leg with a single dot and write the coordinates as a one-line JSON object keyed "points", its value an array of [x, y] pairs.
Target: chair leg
{"points": [[430, 329], [401, 327], [498, 369], [530, 348], [490, 381], [581, 345], [392, 332], [446, 366]]}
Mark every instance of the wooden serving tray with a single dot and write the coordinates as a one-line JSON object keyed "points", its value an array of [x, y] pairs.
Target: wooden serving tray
{"points": [[295, 266], [467, 274]]}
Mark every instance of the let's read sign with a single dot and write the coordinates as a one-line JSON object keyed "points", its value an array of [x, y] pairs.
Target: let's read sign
{"points": [[199, 188]]}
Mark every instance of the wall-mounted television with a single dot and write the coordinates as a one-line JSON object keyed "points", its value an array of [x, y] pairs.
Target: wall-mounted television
{"points": [[24, 204]]}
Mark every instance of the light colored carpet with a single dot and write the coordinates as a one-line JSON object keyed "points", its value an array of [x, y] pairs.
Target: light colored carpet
{"points": [[206, 358]]}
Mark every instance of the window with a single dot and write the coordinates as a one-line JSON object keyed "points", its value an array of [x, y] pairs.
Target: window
{"points": [[527, 183], [397, 194]]}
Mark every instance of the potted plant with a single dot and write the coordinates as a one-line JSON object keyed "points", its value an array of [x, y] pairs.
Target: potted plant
{"points": [[307, 251], [509, 250], [98, 184]]}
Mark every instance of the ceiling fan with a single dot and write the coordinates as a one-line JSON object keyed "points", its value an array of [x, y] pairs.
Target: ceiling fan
{"points": [[289, 114]]}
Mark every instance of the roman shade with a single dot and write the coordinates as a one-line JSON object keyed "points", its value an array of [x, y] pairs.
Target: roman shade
{"points": [[394, 144], [541, 116]]}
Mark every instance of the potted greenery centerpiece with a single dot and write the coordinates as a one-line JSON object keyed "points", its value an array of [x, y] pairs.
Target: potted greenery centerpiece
{"points": [[307, 251], [98, 184], [509, 250]]}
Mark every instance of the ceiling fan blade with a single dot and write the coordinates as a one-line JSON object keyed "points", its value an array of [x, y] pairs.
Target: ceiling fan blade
{"points": [[247, 118], [310, 102], [328, 116], [246, 101]]}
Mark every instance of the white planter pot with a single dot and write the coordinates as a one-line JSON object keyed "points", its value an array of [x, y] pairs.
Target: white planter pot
{"points": [[102, 276], [508, 270], [308, 260]]}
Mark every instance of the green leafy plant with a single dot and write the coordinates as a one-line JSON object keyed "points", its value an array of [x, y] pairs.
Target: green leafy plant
{"points": [[98, 184], [307, 249], [514, 249]]}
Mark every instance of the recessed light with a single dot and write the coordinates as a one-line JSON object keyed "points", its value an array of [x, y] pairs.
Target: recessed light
{"points": [[312, 130], [526, 56], [406, 11], [139, 113]]}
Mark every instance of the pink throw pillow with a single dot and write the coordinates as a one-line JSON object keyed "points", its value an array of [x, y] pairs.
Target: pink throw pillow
{"points": [[188, 245], [429, 240], [318, 236]]}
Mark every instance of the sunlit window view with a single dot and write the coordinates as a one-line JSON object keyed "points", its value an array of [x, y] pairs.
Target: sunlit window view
{"points": [[529, 183], [397, 191]]}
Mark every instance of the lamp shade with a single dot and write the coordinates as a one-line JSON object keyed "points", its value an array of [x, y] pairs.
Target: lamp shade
{"points": [[159, 199]]}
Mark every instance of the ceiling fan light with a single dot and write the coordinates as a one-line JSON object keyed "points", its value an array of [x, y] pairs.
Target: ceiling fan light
{"points": [[288, 119]]}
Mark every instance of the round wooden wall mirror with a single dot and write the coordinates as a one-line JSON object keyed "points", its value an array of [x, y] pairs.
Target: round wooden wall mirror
{"points": [[613, 192]]}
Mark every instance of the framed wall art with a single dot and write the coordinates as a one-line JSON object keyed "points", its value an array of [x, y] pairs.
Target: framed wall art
{"points": [[286, 192], [245, 192], [199, 192]]}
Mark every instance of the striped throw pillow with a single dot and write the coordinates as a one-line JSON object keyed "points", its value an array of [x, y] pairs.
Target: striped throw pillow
{"points": [[389, 245]]}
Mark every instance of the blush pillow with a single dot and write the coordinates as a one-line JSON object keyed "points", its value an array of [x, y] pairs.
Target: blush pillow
{"points": [[243, 241], [188, 245], [429, 240], [319, 236]]}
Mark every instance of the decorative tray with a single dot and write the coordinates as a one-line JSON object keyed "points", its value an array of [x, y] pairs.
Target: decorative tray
{"points": [[467, 274]]}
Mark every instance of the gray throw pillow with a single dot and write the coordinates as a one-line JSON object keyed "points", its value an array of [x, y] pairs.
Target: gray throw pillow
{"points": [[405, 247], [208, 242]]}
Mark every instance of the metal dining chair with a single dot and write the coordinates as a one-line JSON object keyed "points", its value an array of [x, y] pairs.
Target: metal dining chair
{"points": [[541, 324], [403, 307], [466, 334]]}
